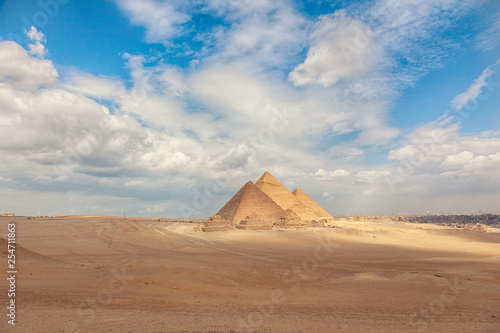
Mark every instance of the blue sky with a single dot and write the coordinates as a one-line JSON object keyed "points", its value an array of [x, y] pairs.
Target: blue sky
{"points": [[166, 108]]}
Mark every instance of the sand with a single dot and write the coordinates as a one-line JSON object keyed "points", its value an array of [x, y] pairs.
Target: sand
{"points": [[110, 274]]}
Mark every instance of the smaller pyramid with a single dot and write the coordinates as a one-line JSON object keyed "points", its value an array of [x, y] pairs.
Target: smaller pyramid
{"points": [[311, 204], [216, 223], [291, 220], [255, 222], [250, 201], [284, 198]]}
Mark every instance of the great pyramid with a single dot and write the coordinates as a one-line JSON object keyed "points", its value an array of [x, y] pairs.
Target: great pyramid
{"points": [[250, 201], [311, 204], [284, 198]]}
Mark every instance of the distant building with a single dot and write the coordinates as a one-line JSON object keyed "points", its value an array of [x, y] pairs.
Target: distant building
{"points": [[7, 215]]}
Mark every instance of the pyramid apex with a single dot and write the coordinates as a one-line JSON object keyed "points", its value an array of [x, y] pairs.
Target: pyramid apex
{"points": [[268, 178], [297, 190]]}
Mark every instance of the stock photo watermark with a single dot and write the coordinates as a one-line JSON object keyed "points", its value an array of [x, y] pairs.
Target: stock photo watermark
{"points": [[11, 273]]}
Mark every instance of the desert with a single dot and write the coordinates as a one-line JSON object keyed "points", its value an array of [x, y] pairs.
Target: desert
{"points": [[115, 274]]}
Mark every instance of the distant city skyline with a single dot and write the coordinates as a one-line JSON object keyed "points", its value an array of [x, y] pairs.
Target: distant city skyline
{"points": [[167, 108]]}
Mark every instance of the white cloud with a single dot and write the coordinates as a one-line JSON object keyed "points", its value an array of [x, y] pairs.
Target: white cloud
{"points": [[489, 39], [457, 161], [437, 160], [474, 90], [162, 20], [427, 144], [98, 87], [486, 163], [263, 33], [156, 208], [370, 176], [134, 183], [323, 174], [47, 179], [342, 47], [371, 191], [5, 180], [366, 43], [20, 70], [37, 38]]}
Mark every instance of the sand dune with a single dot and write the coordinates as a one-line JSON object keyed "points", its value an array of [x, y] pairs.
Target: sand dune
{"points": [[110, 274]]}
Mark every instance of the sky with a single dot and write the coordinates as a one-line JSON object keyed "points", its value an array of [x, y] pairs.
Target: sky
{"points": [[165, 108]]}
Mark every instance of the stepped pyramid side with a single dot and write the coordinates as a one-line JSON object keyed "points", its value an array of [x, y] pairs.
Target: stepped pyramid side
{"points": [[250, 200], [291, 220], [216, 223], [311, 204], [255, 222], [284, 198]]}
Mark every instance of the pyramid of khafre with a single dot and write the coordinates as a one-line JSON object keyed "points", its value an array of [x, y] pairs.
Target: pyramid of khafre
{"points": [[284, 198], [311, 204], [250, 201]]}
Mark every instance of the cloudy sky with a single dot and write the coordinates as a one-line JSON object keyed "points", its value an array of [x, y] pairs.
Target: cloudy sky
{"points": [[167, 107]]}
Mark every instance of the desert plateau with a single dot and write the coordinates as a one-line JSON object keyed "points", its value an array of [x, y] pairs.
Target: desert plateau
{"points": [[115, 274]]}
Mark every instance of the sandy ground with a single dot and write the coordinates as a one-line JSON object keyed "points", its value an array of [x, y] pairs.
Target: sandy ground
{"points": [[103, 274]]}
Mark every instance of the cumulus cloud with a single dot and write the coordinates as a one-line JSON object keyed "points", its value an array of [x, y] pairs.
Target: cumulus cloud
{"points": [[436, 151], [263, 33], [342, 47], [457, 161], [98, 87], [322, 173], [162, 20], [19, 69], [36, 47]]}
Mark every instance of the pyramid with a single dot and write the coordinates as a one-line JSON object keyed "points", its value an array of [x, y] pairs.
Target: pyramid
{"points": [[255, 222], [291, 220], [311, 204], [250, 201], [216, 223], [284, 198]]}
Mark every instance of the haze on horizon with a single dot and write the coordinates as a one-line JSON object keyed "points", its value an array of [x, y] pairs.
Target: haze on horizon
{"points": [[143, 107]]}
